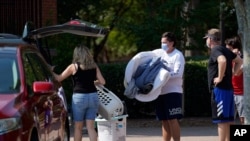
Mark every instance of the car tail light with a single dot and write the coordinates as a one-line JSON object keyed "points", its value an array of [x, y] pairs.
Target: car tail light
{"points": [[75, 22], [42, 87]]}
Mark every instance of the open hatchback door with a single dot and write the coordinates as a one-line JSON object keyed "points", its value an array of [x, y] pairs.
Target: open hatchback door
{"points": [[77, 27]]}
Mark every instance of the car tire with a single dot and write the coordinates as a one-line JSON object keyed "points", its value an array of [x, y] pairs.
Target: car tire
{"points": [[66, 132], [34, 136]]}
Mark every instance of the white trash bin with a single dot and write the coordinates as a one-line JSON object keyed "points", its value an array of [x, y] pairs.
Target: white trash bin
{"points": [[113, 129]]}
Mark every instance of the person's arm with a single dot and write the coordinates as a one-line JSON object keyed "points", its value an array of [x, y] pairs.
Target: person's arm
{"points": [[240, 71], [100, 79], [178, 69], [222, 63], [66, 73], [238, 66]]}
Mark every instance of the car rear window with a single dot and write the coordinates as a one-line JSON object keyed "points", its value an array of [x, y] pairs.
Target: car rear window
{"points": [[9, 75]]}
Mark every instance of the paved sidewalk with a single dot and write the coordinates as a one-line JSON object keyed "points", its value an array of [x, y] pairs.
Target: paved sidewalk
{"points": [[192, 129], [187, 134]]}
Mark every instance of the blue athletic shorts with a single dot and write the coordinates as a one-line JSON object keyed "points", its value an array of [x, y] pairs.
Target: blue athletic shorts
{"points": [[222, 102], [169, 106], [85, 106]]}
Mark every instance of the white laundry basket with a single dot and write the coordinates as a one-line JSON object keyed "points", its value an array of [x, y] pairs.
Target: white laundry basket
{"points": [[110, 104]]}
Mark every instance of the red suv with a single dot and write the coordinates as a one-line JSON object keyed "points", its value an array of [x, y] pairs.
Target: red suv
{"points": [[32, 103]]}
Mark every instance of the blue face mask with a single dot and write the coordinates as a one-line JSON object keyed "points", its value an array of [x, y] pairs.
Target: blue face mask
{"points": [[164, 46]]}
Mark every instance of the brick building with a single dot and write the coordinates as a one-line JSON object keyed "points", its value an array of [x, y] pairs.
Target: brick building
{"points": [[14, 14]]}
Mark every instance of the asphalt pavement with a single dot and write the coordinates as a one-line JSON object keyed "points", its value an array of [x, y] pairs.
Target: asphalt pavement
{"points": [[192, 129]]}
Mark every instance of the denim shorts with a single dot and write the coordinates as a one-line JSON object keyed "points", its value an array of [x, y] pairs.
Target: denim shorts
{"points": [[85, 106]]}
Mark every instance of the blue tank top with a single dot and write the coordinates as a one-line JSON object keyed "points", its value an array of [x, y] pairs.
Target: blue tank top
{"points": [[83, 80]]}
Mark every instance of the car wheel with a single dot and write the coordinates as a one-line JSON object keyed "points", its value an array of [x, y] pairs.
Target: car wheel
{"points": [[66, 132], [34, 136]]}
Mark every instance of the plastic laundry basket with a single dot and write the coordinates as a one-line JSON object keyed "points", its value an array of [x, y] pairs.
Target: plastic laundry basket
{"points": [[110, 104]]}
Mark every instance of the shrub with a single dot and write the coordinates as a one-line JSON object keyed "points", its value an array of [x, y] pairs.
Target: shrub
{"points": [[196, 95]]}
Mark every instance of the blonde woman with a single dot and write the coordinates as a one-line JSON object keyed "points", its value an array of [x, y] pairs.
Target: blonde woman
{"points": [[85, 74]]}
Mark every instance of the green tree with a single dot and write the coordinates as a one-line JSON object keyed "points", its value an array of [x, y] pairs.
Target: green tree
{"points": [[137, 25], [102, 12], [147, 20]]}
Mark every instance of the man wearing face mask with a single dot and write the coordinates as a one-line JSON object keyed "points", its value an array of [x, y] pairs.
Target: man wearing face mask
{"points": [[220, 82], [169, 102]]}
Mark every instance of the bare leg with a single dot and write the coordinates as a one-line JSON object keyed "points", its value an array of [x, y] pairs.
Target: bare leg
{"points": [[175, 129], [224, 131], [166, 132], [171, 129], [242, 120], [78, 131], [91, 130]]}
